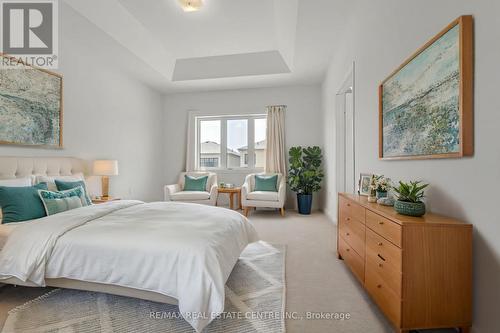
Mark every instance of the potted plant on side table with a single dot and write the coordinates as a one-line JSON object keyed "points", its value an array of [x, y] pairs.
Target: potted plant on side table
{"points": [[409, 198], [305, 175]]}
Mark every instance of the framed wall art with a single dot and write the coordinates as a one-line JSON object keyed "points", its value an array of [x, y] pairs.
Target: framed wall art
{"points": [[31, 110], [426, 104]]}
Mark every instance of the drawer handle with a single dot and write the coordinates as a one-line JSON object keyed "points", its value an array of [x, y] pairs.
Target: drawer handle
{"points": [[347, 250], [381, 257], [380, 265], [348, 205], [347, 218], [380, 244], [379, 286], [381, 222], [347, 234]]}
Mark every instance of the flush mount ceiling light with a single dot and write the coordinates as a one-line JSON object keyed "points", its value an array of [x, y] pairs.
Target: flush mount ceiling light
{"points": [[191, 5]]}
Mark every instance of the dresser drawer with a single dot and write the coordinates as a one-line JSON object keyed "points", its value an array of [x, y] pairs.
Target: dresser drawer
{"points": [[352, 259], [353, 233], [388, 301], [391, 276], [383, 251], [384, 227], [349, 209]]}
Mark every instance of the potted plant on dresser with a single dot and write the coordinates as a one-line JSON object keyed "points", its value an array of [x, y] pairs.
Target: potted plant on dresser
{"points": [[409, 198], [305, 175]]}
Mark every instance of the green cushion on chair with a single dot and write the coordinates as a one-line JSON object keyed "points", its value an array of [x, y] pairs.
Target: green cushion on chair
{"points": [[266, 183], [21, 203], [195, 183]]}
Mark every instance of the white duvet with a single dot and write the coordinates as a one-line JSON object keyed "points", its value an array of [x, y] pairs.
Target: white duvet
{"points": [[185, 251]]}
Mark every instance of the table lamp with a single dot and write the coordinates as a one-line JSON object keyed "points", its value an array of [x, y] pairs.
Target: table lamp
{"points": [[105, 168]]}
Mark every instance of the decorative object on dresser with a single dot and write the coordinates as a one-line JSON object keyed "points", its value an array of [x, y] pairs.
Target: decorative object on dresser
{"points": [[409, 200], [383, 184], [364, 183], [231, 191], [426, 105], [30, 105], [105, 168], [417, 269], [372, 197], [305, 175]]}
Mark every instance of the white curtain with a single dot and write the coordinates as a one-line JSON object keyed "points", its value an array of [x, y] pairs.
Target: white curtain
{"points": [[275, 139], [190, 141]]}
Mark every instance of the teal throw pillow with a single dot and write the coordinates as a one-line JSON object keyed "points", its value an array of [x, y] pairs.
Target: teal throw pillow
{"points": [[266, 183], [195, 183], [68, 185], [21, 203], [57, 202]]}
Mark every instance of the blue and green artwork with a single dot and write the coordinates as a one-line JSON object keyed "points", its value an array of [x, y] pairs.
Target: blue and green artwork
{"points": [[30, 106], [420, 102]]}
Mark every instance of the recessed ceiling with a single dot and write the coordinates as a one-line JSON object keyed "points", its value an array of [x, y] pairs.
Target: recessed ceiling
{"points": [[225, 44]]}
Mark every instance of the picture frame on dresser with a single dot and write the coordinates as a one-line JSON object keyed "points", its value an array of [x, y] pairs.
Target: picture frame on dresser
{"points": [[364, 184], [426, 105]]}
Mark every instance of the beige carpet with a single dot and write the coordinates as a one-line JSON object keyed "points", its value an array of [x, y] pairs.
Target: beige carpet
{"points": [[316, 280]]}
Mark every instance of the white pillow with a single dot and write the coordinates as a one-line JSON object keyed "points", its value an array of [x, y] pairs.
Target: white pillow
{"points": [[17, 182], [51, 180]]}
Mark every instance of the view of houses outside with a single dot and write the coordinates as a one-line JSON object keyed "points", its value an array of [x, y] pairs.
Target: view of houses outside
{"points": [[236, 142]]}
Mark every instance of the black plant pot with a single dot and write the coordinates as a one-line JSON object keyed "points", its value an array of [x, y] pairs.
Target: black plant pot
{"points": [[304, 202]]}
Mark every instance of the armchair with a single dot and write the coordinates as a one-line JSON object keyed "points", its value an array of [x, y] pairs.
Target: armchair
{"points": [[208, 197], [254, 199]]}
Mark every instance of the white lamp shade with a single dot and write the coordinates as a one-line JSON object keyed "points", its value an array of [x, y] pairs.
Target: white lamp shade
{"points": [[106, 167]]}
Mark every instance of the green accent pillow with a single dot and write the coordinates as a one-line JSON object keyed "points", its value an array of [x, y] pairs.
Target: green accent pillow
{"points": [[57, 202], [65, 185], [266, 183], [21, 203], [195, 183]]}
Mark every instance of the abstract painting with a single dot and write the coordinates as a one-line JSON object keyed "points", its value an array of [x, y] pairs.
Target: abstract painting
{"points": [[425, 111], [30, 106]]}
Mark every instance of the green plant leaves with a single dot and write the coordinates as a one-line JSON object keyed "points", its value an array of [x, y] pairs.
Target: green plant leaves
{"points": [[305, 173], [410, 192]]}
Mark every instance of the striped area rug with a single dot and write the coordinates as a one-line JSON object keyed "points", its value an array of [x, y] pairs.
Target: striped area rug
{"points": [[255, 301]]}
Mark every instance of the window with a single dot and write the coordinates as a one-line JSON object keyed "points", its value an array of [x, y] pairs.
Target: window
{"points": [[209, 162], [231, 142]]}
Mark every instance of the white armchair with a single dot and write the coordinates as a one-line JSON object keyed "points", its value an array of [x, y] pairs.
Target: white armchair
{"points": [[176, 192], [254, 199]]}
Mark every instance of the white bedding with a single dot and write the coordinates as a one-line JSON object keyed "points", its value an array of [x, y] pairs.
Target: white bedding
{"points": [[5, 231], [181, 250]]}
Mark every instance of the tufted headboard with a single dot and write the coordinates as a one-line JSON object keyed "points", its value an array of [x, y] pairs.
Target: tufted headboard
{"points": [[17, 167]]}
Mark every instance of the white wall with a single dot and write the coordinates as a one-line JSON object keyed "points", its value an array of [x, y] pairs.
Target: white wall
{"points": [[303, 120], [380, 36], [107, 113]]}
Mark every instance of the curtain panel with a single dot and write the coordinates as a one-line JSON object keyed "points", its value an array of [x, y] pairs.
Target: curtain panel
{"points": [[275, 139]]}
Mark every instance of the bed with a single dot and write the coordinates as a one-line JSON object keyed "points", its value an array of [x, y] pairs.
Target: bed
{"points": [[177, 253]]}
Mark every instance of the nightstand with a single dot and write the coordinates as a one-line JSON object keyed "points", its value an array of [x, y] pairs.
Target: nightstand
{"points": [[103, 200]]}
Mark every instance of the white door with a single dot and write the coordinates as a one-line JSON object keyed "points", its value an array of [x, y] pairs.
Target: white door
{"points": [[345, 129]]}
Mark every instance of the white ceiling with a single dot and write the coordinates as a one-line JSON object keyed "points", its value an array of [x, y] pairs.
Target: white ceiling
{"points": [[228, 44]]}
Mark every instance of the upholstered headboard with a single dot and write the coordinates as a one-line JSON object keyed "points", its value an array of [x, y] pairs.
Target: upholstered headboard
{"points": [[18, 167]]}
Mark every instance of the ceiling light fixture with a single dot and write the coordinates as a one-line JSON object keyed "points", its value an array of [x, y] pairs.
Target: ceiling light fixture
{"points": [[191, 5]]}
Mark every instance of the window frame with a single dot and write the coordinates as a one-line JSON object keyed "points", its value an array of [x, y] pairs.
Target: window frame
{"points": [[223, 145]]}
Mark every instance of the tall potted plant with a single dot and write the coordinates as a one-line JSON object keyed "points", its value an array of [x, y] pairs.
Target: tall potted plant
{"points": [[305, 175]]}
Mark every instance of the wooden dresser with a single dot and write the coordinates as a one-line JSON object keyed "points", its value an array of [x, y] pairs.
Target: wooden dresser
{"points": [[417, 269]]}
